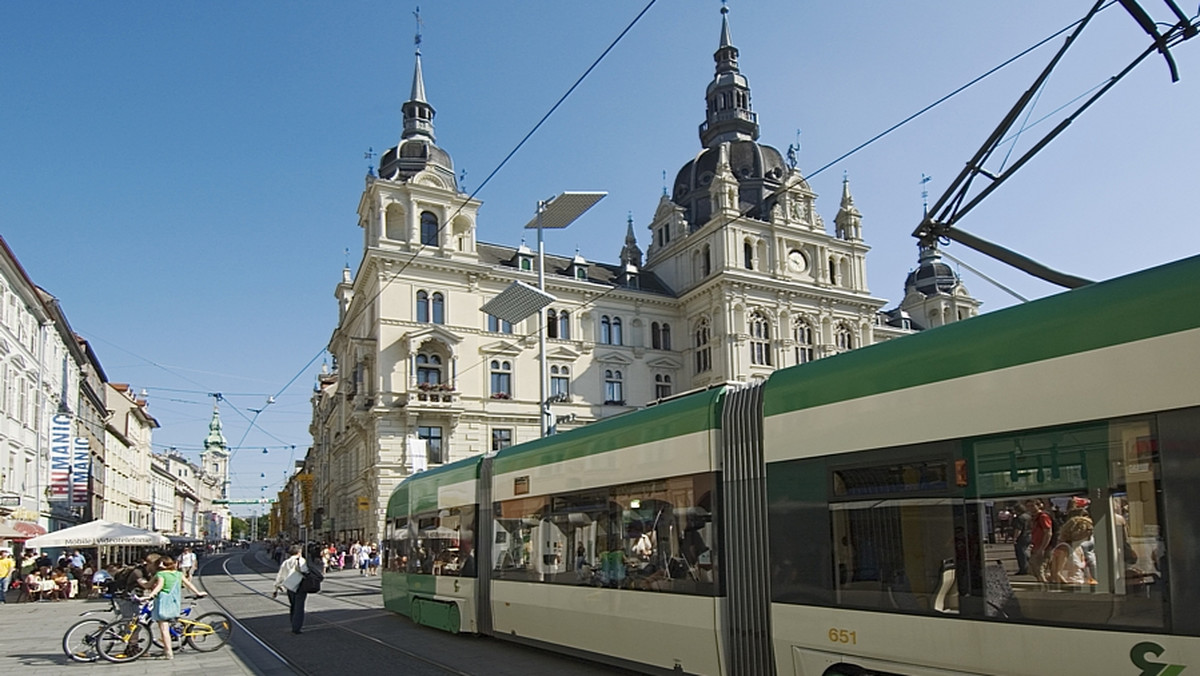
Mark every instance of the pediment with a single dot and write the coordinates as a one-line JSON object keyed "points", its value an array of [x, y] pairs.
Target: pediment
{"points": [[510, 348], [436, 331], [562, 352], [664, 363], [614, 358]]}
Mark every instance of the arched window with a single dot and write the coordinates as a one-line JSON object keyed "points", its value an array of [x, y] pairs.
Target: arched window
{"points": [[439, 309], [666, 336], [662, 386], [655, 336], [605, 330], [705, 262], [551, 324], [802, 334], [526, 263], [760, 339], [833, 278], [844, 338], [423, 307], [616, 331], [564, 325], [429, 369], [429, 228], [748, 255], [501, 386], [703, 350], [614, 391]]}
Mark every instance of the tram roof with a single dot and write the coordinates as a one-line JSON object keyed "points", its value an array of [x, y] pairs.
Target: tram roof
{"points": [[686, 415], [1154, 302]]}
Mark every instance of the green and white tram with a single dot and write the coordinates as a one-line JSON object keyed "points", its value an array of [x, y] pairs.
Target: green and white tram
{"points": [[856, 515]]}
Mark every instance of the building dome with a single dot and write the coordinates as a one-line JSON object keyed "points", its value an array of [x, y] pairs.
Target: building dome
{"points": [[932, 276], [730, 121], [414, 155]]}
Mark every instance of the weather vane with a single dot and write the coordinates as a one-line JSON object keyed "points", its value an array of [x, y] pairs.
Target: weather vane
{"points": [[368, 156], [925, 193], [417, 39]]}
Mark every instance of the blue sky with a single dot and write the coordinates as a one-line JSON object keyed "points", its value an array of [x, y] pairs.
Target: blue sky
{"points": [[184, 176]]}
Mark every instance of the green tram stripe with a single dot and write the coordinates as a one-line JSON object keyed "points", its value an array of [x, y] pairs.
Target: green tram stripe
{"points": [[685, 415], [419, 492], [1143, 305]]}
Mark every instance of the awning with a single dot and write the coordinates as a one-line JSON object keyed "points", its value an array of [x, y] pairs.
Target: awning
{"points": [[28, 529]]}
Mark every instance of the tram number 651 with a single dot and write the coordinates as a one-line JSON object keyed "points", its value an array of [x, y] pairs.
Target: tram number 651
{"points": [[843, 636]]}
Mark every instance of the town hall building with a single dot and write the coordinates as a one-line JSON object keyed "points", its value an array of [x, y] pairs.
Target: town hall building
{"points": [[740, 276]]}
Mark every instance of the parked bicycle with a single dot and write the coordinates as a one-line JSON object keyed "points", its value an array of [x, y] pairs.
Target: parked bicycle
{"points": [[79, 641]]}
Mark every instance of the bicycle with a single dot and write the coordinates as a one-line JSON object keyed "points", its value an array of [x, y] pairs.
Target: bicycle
{"points": [[129, 638], [79, 641]]}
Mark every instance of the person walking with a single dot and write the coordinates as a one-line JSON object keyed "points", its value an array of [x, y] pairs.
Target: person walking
{"points": [[7, 563], [187, 562], [291, 573], [167, 599]]}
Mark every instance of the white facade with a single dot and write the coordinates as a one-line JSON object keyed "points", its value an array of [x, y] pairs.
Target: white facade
{"points": [[741, 277], [39, 378]]}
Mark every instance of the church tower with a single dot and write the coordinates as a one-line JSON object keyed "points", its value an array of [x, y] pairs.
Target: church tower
{"points": [[215, 457]]}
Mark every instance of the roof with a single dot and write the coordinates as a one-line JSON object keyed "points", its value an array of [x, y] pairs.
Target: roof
{"points": [[598, 273]]}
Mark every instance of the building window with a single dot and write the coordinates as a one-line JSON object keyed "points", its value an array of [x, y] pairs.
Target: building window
{"points": [[527, 264], [439, 309], [616, 331], [429, 229], [501, 439], [501, 379], [560, 383], [433, 443], [760, 339], [614, 391], [551, 323], [662, 386], [564, 325], [610, 330], [581, 273], [703, 350], [429, 369], [497, 325], [705, 262], [748, 255], [844, 338], [660, 336], [802, 333], [423, 307]]}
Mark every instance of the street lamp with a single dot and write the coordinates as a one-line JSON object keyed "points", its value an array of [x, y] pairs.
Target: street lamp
{"points": [[519, 300]]}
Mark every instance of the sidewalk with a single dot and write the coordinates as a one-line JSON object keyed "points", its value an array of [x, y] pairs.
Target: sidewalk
{"points": [[31, 643]]}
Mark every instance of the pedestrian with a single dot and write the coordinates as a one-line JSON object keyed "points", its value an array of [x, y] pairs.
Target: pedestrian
{"points": [[187, 562], [7, 563], [167, 599], [291, 574]]}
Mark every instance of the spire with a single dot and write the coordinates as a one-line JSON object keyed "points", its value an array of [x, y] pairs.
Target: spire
{"points": [[729, 116], [215, 441], [418, 114], [630, 253], [848, 219]]}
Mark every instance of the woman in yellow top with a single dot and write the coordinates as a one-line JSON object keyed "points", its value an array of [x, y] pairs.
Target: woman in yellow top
{"points": [[166, 599], [7, 563]]}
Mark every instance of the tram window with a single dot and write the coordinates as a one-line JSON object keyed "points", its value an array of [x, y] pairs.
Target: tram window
{"points": [[441, 543], [1097, 488], [652, 536]]}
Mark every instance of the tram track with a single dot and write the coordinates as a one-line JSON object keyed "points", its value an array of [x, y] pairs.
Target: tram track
{"points": [[261, 570]]}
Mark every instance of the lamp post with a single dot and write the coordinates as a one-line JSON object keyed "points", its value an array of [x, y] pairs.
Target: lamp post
{"points": [[519, 300]]}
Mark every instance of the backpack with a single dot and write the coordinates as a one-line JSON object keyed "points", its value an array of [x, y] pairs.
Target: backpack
{"points": [[127, 580], [312, 581]]}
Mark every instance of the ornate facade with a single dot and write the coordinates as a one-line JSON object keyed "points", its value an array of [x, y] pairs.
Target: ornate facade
{"points": [[741, 277]]}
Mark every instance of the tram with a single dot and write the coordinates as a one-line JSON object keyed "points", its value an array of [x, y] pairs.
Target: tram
{"points": [[844, 517]]}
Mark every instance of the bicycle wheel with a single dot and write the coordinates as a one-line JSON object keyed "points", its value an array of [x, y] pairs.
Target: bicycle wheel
{"points": [[123, 641], [177, 629], [209, 631], [79, 642]]}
